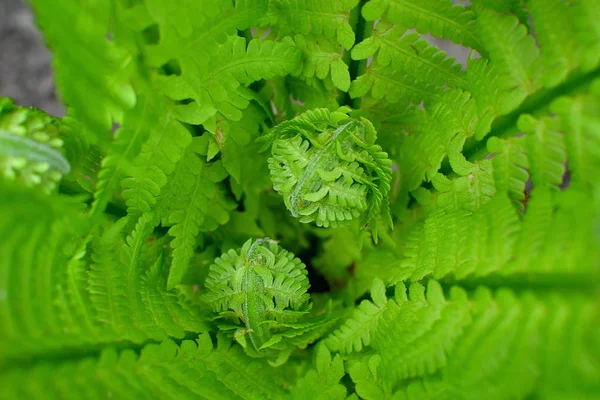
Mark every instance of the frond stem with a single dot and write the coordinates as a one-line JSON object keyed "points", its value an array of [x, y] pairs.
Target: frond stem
{"points": [[356, 68]]}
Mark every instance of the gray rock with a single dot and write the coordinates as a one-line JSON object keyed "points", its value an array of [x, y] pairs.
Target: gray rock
{"points": [[25, 62]]}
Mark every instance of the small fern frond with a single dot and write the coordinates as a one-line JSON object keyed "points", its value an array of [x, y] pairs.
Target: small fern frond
{"points": [[258, 281], [555, 33], [407, 52], [394, 85], [327, 19], [341, 174], [127, 143], [192, 201], [518, 332], [511, 167], [322, 381], [215, 80], [545, 150], [107, 285], [193, 369], [452, 115], [357, 331], [77, 35], [440, 18], [168, 309], [580, 122], [585, 13], [322, 59], [418, 330], [167, 140], [41, 234], [513, 52]]}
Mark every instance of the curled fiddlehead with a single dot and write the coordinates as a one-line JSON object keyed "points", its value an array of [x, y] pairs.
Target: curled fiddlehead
{"points": [[30, 149], [260, 292], [329, 170]]}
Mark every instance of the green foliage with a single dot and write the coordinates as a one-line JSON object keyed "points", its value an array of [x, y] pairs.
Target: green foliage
{"points": [[30, 147], [263, 290], [135, 259], [329, 170]]}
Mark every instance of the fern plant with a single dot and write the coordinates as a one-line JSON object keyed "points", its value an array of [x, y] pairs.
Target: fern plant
{"points": [[272, 199]]}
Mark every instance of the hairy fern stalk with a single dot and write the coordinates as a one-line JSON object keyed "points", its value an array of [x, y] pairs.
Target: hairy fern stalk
{"points": [[306, 199]]}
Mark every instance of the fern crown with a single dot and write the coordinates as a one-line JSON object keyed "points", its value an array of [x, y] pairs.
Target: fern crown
{"points": [[329, 170], [258, 287], [220, 158]]}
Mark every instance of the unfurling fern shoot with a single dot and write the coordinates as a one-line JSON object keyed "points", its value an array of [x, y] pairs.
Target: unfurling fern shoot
{"points": [[329, 170], [262, 289], [30, 147]]}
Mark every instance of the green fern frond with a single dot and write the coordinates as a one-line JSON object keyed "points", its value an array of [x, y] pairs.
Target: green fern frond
{"points": [[30, 147], [555, 33], [214, 81], [481, 180], [147, 173], [193, 369], [255, 285], [127, 143], [329, 170], [580, 123], [323, 59], [128, 287], [453, 114], [395, 86], [357, 331], [442, 246], [545, 150], [79, 35], [474, 187], [440, 18], [321, 18], [513, 52], [414, 350], [169, 310], [192, 202], [518, 333], [108, 287], [406, 51], [38, 234], [585, 12], [511, 167], [411, 333], [322, 381]]}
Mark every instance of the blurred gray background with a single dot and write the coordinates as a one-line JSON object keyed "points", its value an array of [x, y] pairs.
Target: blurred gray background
{"points": [[25, 62], [25, 71]]}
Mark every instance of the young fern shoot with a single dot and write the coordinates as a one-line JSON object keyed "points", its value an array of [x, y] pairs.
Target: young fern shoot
{"points": [[329, 170], [30, 147], [261, 291]]}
